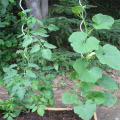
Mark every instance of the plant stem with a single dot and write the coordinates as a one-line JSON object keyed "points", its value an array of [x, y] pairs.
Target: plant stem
{"points": [[84, 23], [90, 31]]}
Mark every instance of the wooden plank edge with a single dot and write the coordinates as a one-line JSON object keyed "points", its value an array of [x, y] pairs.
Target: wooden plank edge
{"points": [[58, 109], [95, 116]]}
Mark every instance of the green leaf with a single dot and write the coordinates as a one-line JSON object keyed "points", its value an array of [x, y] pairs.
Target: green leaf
{"points": [[51, 102], [47, 68], [28, 10], [13, 66], [8, 43], [6, 70], [27, 83], [2, 24], [52, 27], [11, 1], [85, 111], [33, 65], [48, 82], [17, 111], [84, 94], [10, 84], [44, 100], [97, 96], [35, 48], [110, 99], [74, 75], [1, 84], [102, 21], [40, 111], [34, 109], [34, 81], [41, 34], [5, 116], [43, 106], [48, 94], [107, 82], [21, 93], [77, 9], [68, 99], [49, 45], [27, 41], [81, 44], [1, 42], [30, 74], [46, 53], [34, 86], [9, 118], [4, 3], [16, 87], [30, 93], [56, 66], [109, 55], [50, 76], [31, 100], [40, 23], [42, 30], [14, 55], [12, 114], [33, 105], [34, 20], [86, 86], [85, 75]]}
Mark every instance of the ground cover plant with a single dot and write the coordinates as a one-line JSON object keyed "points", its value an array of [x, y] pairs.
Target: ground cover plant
{"points": [[84, 99]]}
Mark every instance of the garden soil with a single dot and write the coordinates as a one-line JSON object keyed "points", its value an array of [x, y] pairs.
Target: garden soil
{"points": [[49, 115], [62, 84]]}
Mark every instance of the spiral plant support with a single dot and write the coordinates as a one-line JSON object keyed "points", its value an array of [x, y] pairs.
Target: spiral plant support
{"points": [[23, 27], [83, 17]]}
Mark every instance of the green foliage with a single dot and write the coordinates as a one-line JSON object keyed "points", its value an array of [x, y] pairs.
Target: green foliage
{"points": [[97, 96], [62, 16], [68, 99], [83, 109], [86, 86], [63, 60], [77, 9], [8, 35], [102, 21], [87, 77], [29, 72], [107, 36], [107, 82], [82, 44], [110, 99], [109, 55]]}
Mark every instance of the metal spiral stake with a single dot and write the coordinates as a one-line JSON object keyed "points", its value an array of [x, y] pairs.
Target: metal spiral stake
{"points": [[83, 17], [82, 21], [22, 28]]}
